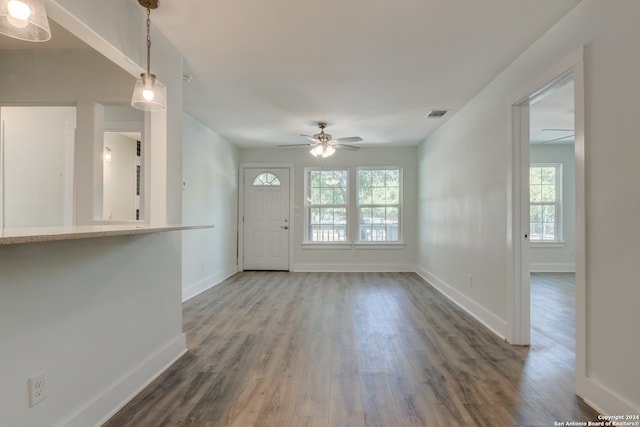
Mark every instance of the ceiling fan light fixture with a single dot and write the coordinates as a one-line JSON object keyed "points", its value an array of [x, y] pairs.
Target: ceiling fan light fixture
{"points": [[24, 20], [322, 150], [149, 94], [328, 151]]}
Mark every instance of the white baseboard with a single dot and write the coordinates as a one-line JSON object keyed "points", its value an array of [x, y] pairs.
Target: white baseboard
{"points": [[125, 388], [497, 325], [206, 283], [605, 400], [552, 267], [353, 268]]}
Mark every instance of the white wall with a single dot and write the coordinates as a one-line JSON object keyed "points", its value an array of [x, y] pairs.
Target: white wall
{"points": [[558, 258], [36, 166], [210, 196], [463, 188], [100, 316], [348, 259]]}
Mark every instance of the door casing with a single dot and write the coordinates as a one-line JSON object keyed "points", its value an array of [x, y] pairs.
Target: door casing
{"points": [[518, 292]]}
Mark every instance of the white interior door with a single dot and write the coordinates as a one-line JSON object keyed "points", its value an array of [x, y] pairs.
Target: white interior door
{"points": [[266, 224]]}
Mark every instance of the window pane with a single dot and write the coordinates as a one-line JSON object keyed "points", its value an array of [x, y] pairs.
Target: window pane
{"points": [[366, 215], [326, 216], [364, 196], [549, 232], [378, 196], [393, 178], [379, 215], [314, 215], [315, 196], [266, 178], [535, 229], [534, 175], [326, 197], [549, 214], [392, 216], [364, 178], [535, 213], [549, 193], [535, 193], [378, 178], [548, 175], [315, 178], [393, 195]]}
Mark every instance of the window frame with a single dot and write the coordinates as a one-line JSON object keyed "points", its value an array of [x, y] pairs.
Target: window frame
{"points": [[308, 206], [399, 205], [557, 204]]}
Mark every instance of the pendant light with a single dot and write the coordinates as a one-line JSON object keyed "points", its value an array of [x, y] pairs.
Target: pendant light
{"points": [[149, 94], [24, 20]]}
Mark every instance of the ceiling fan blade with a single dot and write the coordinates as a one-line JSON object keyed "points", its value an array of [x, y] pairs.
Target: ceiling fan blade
{"points": [[310, 137], [346, 147], [295, 145], [348, 139]]}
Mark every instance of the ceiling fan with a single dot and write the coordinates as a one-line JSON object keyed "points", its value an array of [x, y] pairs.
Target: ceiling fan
{"points": [[324, 145]]}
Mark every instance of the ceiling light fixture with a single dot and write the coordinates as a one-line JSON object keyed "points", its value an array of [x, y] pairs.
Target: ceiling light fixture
{"points": [[24, 20], [149, 93], [322, 150]]}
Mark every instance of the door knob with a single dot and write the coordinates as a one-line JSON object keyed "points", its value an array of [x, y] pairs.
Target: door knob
{"points": [[286, 227]]}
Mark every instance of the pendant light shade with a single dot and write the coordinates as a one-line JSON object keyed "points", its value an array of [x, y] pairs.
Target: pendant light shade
{"points": [[149, 94], [24, 20]]}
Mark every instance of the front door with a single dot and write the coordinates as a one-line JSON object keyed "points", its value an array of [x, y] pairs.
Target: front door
{"points": [[266, 224]]}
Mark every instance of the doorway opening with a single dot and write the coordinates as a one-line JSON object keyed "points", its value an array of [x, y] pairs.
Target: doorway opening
{"points": [[552, 218], [535, 215]]}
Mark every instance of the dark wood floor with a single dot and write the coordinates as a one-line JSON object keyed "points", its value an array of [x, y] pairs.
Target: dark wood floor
{"points": [[354, 350]]}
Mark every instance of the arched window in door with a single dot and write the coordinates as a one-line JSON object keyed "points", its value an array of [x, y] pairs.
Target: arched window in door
{"points": [[266, 178]]}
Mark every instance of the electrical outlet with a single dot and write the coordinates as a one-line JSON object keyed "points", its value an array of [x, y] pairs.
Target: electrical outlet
{"points": [[37, 389]]}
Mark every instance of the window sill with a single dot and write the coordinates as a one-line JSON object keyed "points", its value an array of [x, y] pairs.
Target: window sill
{"points": [[326, 245], [542, 244], [379, 245], [349, 245]]}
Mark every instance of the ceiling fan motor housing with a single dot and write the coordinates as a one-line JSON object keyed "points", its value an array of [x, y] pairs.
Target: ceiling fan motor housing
{"points": [[322, 137]]}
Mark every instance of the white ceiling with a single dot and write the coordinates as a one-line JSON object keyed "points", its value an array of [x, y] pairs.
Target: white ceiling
{"points": [[266, 71], [552, 117]]}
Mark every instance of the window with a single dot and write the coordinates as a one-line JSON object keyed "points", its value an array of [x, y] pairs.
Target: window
{"points": [[266, 178], [379, 205], [326, 205], [545, 202]]}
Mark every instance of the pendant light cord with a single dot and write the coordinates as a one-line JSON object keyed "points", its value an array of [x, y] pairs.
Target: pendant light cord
{"points": [[148, 40]]}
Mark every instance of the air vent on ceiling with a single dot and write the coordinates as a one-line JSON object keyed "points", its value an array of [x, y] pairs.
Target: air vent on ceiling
{"points": [[436, 114]]}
